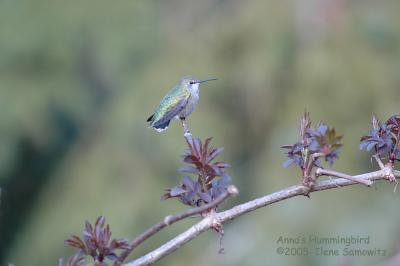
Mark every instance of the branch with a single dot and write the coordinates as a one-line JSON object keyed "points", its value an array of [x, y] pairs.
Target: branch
{"points": [[218, 218], [379, 161], [186, 132], [170, 219], [326, 172]]}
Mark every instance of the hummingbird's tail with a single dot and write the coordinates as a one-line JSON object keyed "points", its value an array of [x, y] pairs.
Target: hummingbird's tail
{"points": [[161, 127], [157, 126], [150, 118]]}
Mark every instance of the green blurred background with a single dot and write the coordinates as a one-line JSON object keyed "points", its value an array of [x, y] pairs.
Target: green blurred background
{"points": [[79, 79]]}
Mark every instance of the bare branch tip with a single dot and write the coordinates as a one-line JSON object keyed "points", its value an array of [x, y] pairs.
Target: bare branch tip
{"points": [[167, 219], [318, 171], [233, 191], [395, 186]]}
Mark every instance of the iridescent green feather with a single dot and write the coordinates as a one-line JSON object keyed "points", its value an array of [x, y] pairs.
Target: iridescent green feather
{"points": [[171, 105]]}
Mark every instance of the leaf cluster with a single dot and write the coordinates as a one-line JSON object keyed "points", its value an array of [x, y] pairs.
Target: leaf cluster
{"points": [[95, 242], [383, 139], [315, 143], [212, 179]]}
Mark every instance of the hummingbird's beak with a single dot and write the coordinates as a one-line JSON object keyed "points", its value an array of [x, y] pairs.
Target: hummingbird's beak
{"points": [[201, 81]]}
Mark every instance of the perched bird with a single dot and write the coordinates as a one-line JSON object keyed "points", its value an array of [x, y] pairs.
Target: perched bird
{"points": [[178, 103]]}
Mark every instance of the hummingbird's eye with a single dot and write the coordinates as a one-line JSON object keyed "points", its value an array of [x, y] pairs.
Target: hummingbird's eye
{"points": [[191, 82]]}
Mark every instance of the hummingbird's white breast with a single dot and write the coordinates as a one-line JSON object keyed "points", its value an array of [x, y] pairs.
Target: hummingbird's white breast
{"points": [[193, 100]]}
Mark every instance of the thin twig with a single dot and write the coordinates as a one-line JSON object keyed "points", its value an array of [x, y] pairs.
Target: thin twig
{"points": [[326, 172], [379, 161], [186, 131], [308, 177], [170, 219], [221, 217]]}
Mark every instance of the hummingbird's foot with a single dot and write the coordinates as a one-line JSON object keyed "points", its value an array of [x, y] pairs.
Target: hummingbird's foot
{"points": [[186, 132]]}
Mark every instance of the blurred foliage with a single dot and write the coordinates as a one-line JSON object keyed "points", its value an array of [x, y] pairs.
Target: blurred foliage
{"points": [[78, 80]]}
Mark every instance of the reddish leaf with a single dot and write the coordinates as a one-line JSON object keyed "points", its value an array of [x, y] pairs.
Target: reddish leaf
{"points": [[188, 169], [214, 153]]}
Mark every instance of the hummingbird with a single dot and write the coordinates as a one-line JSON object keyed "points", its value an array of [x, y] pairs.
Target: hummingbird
{"points": [[178, 103]]}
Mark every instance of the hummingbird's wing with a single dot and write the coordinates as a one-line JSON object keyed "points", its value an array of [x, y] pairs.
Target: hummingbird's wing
{"points": [[170, 106]]}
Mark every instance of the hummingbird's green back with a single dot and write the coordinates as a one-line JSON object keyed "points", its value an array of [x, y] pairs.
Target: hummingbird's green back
{"points": [[171, 104]]}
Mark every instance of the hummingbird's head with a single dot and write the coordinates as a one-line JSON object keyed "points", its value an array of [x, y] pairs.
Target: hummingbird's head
{"points": [[193, 84]]}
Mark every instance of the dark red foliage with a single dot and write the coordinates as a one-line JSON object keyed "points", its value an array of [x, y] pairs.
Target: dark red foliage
{"points": [[325, 141], [383, 138], [200, 156], [96, 243], [314, 143], [212, 179]]}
